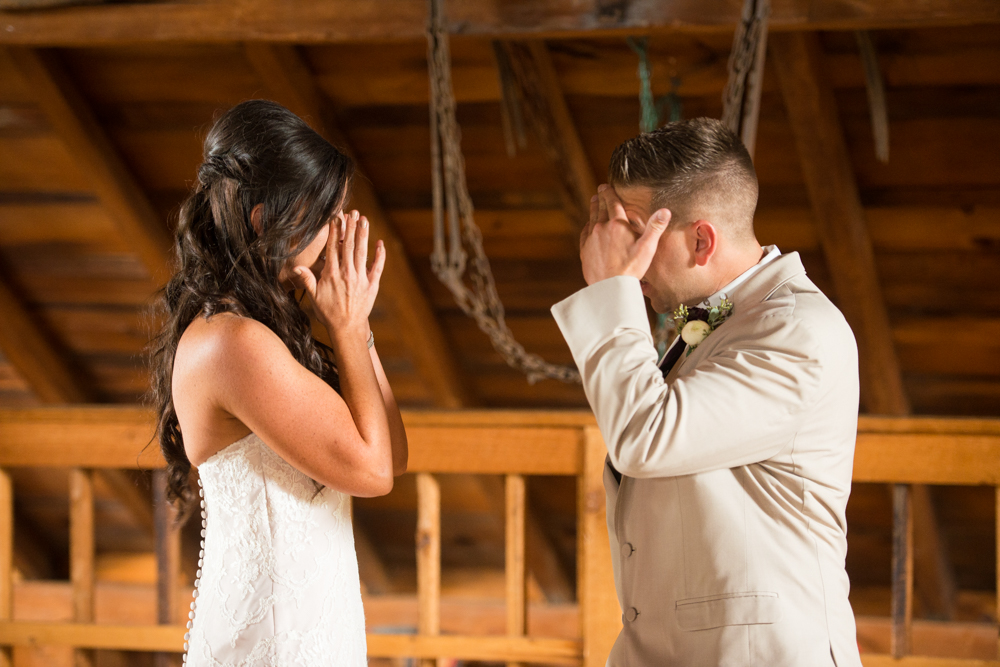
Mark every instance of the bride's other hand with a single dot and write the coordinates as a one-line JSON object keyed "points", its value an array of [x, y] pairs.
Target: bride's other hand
{"points": [[344, 291]]}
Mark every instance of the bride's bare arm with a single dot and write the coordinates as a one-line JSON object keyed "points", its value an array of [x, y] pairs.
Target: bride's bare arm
{"points": [[397, 434], [344, 441]]}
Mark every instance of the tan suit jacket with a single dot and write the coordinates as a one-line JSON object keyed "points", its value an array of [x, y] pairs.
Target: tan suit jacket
{"points": [[728, 533]]}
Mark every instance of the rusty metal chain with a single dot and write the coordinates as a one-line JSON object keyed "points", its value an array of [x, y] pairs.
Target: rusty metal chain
{"points": [[463, 251]]}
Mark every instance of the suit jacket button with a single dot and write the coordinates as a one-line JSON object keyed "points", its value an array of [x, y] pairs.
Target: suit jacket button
{"points": [[627, 549], [631, 614]]}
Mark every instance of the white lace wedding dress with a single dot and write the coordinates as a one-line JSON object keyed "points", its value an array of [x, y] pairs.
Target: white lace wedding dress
{"points": [[278, 579]]}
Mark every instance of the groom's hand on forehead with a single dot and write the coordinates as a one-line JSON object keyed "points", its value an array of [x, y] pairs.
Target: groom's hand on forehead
{"points": [[613, 202]]}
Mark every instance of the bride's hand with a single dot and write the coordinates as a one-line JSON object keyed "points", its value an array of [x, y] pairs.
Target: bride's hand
{"points": [[344, 292]]}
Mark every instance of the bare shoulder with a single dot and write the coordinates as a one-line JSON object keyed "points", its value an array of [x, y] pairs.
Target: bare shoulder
{"points": [[218, 358], [226, 342]]}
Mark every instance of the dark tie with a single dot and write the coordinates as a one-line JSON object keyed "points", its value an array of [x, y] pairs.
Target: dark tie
{"points": [[669, 361], [672, 357]]}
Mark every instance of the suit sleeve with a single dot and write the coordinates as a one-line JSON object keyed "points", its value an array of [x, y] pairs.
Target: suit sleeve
{"points": [[740, 405]]}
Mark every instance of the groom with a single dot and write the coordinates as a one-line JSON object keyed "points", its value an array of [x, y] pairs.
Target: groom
{"points": [[729, 460]]}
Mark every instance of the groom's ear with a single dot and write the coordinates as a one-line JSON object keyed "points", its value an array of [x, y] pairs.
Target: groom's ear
{"points": [[706, 241]]}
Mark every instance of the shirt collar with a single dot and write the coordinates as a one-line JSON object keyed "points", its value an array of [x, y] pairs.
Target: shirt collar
{"points": [[771, 253]]}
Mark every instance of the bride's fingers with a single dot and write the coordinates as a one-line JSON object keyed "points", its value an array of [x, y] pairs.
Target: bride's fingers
{"points": [[361, 247], [350, 233], [375, 273], [305, 279], [332, 263]]}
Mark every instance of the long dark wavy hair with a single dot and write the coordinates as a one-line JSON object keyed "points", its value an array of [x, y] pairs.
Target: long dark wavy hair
{"points": [[258, 152]]}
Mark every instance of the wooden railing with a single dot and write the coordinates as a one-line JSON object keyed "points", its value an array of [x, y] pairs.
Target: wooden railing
{"points": [[512, 444]]}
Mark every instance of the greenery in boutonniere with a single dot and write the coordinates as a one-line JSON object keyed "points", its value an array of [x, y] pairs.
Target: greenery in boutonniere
{"points": [[694, 324]]}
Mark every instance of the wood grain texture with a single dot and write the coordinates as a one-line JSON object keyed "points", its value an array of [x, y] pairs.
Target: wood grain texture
{"points": [[600, 613], [515, 569], [81, 554], [28, 346], [901, 639], [74, 122], [6, 558], [343, 20], [839, 216], [428, 558]]}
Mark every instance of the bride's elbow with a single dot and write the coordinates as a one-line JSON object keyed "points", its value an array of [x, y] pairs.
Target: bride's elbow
{"points": [[399, 464], [378, 483]]}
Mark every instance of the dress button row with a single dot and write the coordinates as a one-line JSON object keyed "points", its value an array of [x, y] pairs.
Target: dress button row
{"points": [[631, 614], [627, 550], [197, 581]]}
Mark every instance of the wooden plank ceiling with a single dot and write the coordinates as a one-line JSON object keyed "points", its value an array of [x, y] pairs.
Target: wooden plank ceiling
{"points": [[932, 210], [76, 275]]}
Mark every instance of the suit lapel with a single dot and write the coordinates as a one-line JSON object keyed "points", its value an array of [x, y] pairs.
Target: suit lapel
{"points": [[759, 287]]}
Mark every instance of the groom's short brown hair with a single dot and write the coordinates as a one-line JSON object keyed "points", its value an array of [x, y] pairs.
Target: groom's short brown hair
{"points": [[693, 166]]}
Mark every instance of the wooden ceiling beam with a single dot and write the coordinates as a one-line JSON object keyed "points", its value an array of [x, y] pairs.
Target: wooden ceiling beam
{"points": [[546, 110], [115, 185], [289, 80], [843, 233], [305, 21], [30, 349], [839, 217]]}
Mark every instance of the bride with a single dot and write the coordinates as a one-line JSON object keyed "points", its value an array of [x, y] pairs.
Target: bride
{"points": [[282, 429]]}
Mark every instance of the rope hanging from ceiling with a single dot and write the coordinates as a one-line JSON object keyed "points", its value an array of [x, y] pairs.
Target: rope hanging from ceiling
{"points": [[458, 258]]}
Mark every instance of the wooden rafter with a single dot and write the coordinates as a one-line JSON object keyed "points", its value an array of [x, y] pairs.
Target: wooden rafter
{"points": [[550, 118], [291, 83], [305, 21], [843, 233], [30, 349], [113, 182], [839, 217]]}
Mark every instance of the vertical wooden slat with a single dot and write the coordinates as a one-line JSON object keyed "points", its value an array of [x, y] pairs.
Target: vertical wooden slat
{"points": [[428, 559], [517, 599], [600, 613], [902, 570], [997, 522], [6, 558], [168, 559], [81, 552]]}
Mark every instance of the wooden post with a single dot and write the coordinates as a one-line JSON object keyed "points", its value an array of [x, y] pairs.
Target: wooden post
{"points": [[168, 558], [997, 523], [428, 559], [6, 558], [902, 571], [517, 599], [81, 553], [600, 613]]}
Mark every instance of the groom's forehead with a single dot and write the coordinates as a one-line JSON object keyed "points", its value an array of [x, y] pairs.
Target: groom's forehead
{"points": [[635, 196]]}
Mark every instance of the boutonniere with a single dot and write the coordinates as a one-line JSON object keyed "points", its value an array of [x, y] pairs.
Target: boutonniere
{"points": [[694, 324]]}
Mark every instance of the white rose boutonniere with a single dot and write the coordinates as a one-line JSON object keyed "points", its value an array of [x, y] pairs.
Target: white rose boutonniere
{"points": [[694, 325]]}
